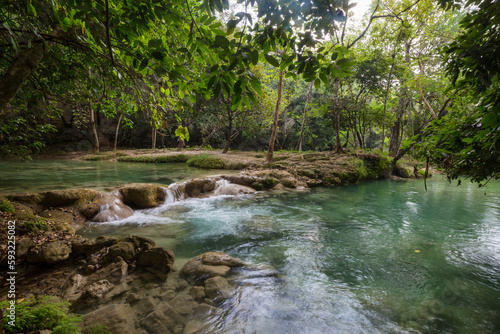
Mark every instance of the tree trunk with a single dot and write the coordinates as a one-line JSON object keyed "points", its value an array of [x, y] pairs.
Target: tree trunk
{"points": [[336, 105], [229, 127], [270, 151], [23, 66], [117, 129], [94, 129], [402, 105], [153, 134], [304, 118]]}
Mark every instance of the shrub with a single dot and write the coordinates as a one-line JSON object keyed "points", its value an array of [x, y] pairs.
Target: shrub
{"points": [[7, 207], [206, 161], [39, 313]]}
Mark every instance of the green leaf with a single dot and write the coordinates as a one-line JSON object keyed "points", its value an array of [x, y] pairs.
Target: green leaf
{"points": [[143, 64], [254, 55], [271, 60], [317, 83]]}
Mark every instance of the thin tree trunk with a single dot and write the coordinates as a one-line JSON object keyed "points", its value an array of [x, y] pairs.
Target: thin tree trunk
{"points": [[205, 142], [94, 129], [229, 128], [304, 118], [117, 129], [270, 151], [336, 105], [153, 134]]}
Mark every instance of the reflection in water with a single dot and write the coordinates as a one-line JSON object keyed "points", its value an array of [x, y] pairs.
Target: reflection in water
{"points": [[379, 257]]}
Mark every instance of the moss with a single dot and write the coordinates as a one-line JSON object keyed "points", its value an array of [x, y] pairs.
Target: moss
{"points": [[269, 182], [377, 165], [42, 313], [260, 155], [32, 226], [172, 158], [206, 161], [156, 159], [98, 157], [7, 207]]}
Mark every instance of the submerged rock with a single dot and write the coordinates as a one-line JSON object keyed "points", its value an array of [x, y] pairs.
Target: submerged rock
{"points": [[118, 317], [210, 264], [158, 260]]}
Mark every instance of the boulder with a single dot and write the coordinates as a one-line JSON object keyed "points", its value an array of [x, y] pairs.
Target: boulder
{"points": [[86, 247], [118, 317], [109, 208], [210, 264], [195, 269], [124, 249], [163, 320], [52, 252], [157, 259], [67, 197], [220, 258], [23, 245], [183, 304], [217, 288], [199, 187], [99, 289], [142, 195], [197, 293], [224, 187]]}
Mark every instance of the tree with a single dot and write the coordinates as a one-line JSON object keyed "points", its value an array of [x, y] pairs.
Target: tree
{"points": [[467, 140]]}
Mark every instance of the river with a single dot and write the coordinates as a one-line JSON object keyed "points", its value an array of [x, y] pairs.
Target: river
{"points": [[376, 257]]}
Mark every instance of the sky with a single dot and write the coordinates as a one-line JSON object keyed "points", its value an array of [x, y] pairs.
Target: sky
{"points": [[361, 7]]}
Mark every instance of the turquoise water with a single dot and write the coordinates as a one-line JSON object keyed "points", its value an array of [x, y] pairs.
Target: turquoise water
{"points": [[41, 175], [378, 257]]}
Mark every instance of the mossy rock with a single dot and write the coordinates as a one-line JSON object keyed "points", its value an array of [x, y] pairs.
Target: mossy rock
{"points": [[6, 206], [400, 171], [32, 226], [206, 161]]}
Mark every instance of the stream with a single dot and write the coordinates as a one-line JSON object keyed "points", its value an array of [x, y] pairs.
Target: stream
{"points": [[376, 257]]}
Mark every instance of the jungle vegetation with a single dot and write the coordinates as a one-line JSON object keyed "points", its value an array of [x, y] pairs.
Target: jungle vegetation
{"points": [[414, 77]]}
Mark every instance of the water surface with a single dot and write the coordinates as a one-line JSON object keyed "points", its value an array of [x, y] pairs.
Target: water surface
{"points": [[378, 257]]}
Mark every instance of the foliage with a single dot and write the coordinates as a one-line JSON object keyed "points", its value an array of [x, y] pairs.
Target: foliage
{"points": [[6, 207], [39, 313], [22, 137], [182, 133], [206, 161], [467, 141]]}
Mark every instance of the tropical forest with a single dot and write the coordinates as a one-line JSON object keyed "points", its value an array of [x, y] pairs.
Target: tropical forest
{"points": [[249, 166]]}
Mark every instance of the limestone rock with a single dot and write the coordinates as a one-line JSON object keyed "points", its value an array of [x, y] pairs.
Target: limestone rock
{"points": [[200, 323], [50, 253], [220, 258], [110, 209], [217, 287], [195, 269], [23, 245], [99, 289], [183, 304], [199, 187], [163, 320], [118, 317], [210, 264], [197, 293], [124, 249], [159, 259], [83, 246], [143, 195], [113, 272], [61, 198]]}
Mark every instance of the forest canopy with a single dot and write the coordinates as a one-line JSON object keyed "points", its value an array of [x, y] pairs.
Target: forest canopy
{"points": [[412, 77]]}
